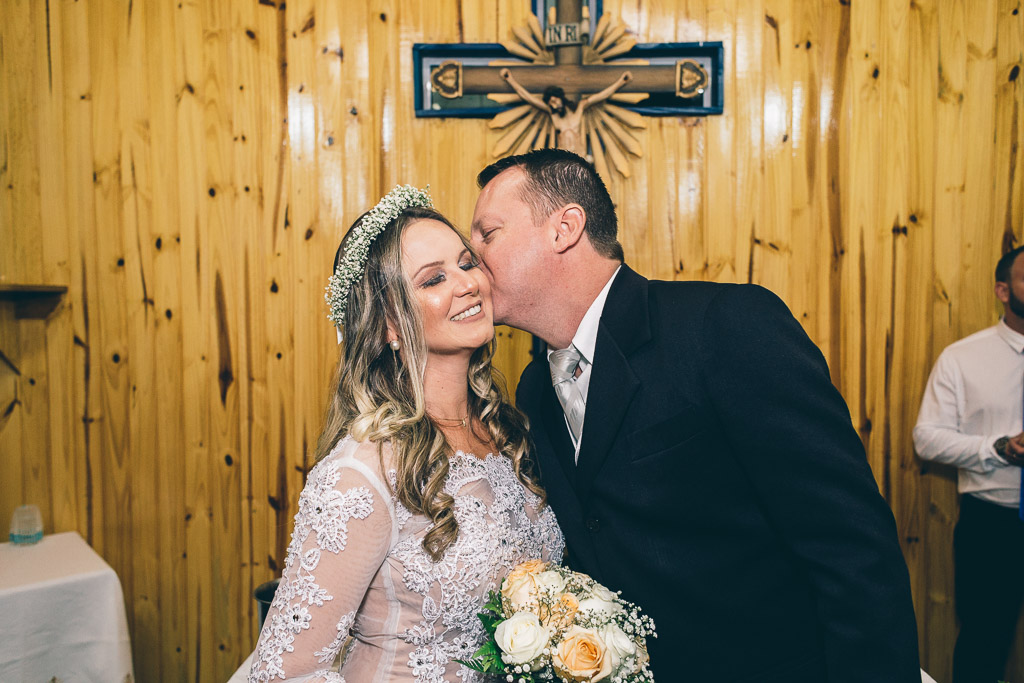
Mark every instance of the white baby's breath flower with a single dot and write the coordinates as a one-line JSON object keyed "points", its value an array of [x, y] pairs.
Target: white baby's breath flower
{"points": [[357, 248]]}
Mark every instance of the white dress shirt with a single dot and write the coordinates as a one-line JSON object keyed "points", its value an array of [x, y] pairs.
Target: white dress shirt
{"points": [[975, 395], [585, 340]]}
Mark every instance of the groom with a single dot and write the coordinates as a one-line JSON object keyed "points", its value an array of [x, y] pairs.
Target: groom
{"points": [[693, 447]]}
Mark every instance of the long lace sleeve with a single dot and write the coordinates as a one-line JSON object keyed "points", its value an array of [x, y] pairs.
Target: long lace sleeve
{"points": [[343, 531], [546, 529]]}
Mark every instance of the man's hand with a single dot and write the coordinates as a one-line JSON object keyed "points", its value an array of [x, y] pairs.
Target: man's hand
{"points": [[1014, 451]]}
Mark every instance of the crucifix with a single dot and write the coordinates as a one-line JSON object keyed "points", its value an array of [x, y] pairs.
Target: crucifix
{"points": [[573, 83], [566, 114]]}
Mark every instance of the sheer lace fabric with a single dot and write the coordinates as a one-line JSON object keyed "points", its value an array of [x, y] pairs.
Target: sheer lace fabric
{"points": [[356, 575]]}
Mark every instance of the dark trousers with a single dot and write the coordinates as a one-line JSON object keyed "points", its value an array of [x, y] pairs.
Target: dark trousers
{"points": [[988, 549]]}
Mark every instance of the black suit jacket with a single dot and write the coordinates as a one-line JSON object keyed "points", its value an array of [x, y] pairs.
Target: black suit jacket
{"points": [[722, 488]]}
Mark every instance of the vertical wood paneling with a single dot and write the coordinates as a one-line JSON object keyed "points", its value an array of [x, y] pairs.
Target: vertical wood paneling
{"points": [[690, 157], [720, 150], [73, 346], [141, 230], [187, 170], [162, 86], [12, 490], [804, 48], [772, 249], [891, 234], [914, 314], [22, 55], [59, 245], [8, 255], [229, 584], [198, 381], [949, 177], [747, 90], [862, 297]]}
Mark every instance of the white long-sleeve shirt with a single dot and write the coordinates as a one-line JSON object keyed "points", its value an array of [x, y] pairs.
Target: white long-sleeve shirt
{"points": [[975, 395]]}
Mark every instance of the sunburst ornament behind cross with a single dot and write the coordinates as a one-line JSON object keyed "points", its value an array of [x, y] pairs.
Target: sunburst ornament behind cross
{"points": [[592, 125]]}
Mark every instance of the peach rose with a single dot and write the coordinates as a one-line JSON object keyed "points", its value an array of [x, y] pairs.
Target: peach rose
{"points": [[581, 656], [520, 586], [530, 567]]}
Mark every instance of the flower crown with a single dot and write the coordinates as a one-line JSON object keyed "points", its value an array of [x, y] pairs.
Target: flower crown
{"points": [[357, 248]]}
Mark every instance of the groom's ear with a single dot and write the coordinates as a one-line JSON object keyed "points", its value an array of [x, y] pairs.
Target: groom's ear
{"points": [[570, 226]]}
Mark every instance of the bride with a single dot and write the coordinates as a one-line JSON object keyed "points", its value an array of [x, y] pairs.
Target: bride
{"points": [[423, 496]]}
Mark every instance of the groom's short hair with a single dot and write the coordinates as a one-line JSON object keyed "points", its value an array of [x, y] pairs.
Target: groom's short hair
{"points": [[556, 177]]}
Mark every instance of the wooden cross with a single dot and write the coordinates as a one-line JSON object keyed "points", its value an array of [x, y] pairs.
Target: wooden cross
{"points": [[570, 93]]}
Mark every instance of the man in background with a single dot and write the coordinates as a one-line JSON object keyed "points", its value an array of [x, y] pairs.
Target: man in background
{"points": [[971, 418]]}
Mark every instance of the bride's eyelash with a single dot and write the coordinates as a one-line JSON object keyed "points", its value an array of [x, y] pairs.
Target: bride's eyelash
{"points": [[440, 277]]}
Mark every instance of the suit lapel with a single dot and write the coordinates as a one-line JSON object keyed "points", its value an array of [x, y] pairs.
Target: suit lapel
{"points": [[624, 326], [558, 433], [547, 424]]}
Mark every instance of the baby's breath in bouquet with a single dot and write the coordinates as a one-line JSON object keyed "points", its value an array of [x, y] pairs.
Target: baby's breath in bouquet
{"points": [[548, 623]]}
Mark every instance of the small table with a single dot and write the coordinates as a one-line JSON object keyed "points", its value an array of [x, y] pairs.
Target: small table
{"points": [[63, 614]]}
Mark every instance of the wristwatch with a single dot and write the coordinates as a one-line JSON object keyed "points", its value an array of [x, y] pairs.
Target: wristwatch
{"points": [[1000, 445]]}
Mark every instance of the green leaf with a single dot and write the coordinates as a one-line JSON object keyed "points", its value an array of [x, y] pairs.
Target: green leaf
{"points": [[490, 622], [493, 602], [474, 664], [485, 660]]}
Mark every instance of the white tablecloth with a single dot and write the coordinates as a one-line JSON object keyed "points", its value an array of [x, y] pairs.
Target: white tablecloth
{"points": [[62, 614]]}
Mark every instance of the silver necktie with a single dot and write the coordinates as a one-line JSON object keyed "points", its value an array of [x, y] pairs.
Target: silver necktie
{"points": [[563, 365]]}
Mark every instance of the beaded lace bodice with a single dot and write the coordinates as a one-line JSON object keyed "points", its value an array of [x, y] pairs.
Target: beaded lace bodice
{"points": [[356, 567]]}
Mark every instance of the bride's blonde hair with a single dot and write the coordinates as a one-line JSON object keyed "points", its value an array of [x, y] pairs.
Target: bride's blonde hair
{"points": [[377, 395]]}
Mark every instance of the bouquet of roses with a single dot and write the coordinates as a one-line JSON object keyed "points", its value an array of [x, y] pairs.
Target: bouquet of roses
{"points": [[551, 624]]}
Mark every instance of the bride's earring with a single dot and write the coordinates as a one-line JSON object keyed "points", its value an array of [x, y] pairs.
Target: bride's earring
{"points": [[395, 345]]}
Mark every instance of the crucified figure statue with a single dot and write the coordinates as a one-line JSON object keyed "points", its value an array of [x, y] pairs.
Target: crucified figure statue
{"points": [[566, 115]]}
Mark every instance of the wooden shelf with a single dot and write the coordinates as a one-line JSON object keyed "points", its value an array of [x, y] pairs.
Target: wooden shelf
{"points": [[32, 301]]}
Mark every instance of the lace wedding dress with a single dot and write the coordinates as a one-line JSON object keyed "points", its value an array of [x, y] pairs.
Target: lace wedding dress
{"points": [[356, 568]]}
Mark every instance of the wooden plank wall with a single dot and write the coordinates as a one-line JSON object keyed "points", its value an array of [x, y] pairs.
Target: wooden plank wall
{"points": [[186, 168]]}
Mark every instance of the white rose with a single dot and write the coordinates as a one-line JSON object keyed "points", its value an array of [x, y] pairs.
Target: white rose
{"points": [[600, 591], [551, 581], [522, 638], [600, 599], [619, 645]]}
